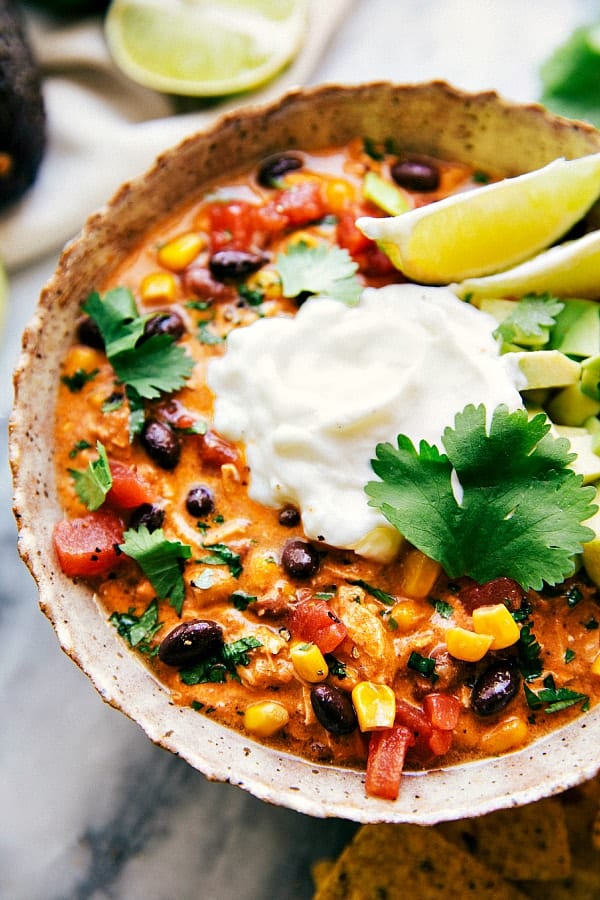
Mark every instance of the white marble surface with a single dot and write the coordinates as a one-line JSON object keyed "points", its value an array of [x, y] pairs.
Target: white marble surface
{"points": [[90, 809]]}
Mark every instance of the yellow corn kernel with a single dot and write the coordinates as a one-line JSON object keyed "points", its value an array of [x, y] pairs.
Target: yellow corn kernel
{"points": [[181, 251], [309, 662], [497, 621], [261, 570], [304, 237], [467, 645], [158, 287], [407, 614], [265, 718], [507, 734], [419, 574], [375, 705], [596, 666], [339, 193], [80, 358], [267, 282]]}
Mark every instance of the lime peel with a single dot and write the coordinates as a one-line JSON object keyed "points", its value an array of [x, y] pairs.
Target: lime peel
{"points": [[489, 229]]}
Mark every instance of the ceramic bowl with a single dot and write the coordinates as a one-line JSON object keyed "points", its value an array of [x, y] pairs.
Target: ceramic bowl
{"points": [[481, 129]]}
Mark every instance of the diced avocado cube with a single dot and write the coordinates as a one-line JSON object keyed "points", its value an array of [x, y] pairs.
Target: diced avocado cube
{"points": [[546, 368], [571, 406], [385, 195], [590, 377], [586, 463], [577, 329], [500, 310]]}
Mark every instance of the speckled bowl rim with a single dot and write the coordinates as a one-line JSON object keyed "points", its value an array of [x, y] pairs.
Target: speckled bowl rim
{"points": [[430, 118]]}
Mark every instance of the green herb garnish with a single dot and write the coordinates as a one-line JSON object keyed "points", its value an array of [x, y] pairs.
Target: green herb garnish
{"points": [[553, 700], [320, 271], [241, 600], [531, 318], [78, 447], [160, 560], [445, 610], [93, 484], [138, 631], [78, 379], [222, 555], [520, 512], [424, 665], [216, 668], [376, 592]]}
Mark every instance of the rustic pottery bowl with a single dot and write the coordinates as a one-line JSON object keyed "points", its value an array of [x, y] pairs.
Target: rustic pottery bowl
{"points": [[433, 118]]}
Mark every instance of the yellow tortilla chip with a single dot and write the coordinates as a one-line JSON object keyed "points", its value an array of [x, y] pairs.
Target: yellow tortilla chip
{"points": [[320, 870], [528, 842], [391, 862]]}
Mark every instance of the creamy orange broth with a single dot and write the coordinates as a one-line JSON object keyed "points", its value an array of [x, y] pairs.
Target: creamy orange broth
{"points": [[380, 638]]}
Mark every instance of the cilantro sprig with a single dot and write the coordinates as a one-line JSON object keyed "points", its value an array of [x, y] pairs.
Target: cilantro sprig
{"points": [[552, 699], [138, 631], [324, 271], [531, 318], [521, 507], [161, 561], [93, 484], [224, 663]]}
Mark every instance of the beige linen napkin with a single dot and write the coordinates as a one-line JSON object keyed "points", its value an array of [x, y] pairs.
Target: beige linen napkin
{"points": [[103, 128]]}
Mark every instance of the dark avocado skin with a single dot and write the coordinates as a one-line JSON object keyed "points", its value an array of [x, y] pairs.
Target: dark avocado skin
{"points": [[22, 117]]}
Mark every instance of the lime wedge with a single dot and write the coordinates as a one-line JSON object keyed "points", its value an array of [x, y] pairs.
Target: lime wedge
{"points": [[571, 269], [488, 229], [203, 48]]}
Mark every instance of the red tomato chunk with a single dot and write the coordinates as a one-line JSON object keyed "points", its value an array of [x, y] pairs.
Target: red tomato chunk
{"points": [[315, 622], [128, 488], [385, 762], [89, 545]]}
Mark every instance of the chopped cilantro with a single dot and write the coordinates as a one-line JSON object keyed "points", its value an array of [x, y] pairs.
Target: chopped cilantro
{"points": [[530, 316], [207, 336], [324, 595], [569, 655], [112, 403], [481, 177], [371, 148], [217, 667], [529, 650], [520, 513], [591, 624], [78, 379], [161, 561], [553, 700], [321, 271], [336, 667], [241, 600], [196, 705], [78, 447], [443, 609], [424, 665], [93, 484], [250, 296], [376, 592], [222, 555], [150, 368], [138, 631], [198, 305]]}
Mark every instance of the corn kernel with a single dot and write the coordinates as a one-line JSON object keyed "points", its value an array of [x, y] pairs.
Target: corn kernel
{"points": [[467, 645], [309, 662], [261, 570], [265, 718], [158, 287], [596, 666], [304, 237], [80, 358], [510, 733], [181, 251], [375, 705], [267, 282], [497, 621], [407, 614], [419, 574], [339, 194]]}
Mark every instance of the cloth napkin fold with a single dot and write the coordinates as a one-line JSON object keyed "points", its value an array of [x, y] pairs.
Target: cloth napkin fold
{"points": [[104, 129]]}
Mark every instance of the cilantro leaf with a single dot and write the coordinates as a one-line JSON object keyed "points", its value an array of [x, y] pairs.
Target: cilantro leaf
{"points": [[93, 484], [78, 379], [222, 555], [521, 508], [569, 76], [554, 700], [217, 667], [161, 561], [148, 368], [138, 631], [373, 591], [530, 317], [321, 271]]}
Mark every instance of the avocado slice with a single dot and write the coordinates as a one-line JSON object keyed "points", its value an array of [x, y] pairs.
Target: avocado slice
{"points": [[570, 406], [22, 115], [577, 329], [545, 368]]}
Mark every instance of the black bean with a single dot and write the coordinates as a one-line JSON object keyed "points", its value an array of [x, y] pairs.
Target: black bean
{"points": [[147, 514], [190, 642], [495, 687], [271, 170], [299, 558], [289, 516], [235, 264], [165, 323], [416, 175], [88, 333], [333, 709], [161, 443], [199, 501]]}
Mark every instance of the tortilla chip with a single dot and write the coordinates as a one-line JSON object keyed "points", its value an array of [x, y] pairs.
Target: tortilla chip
{"points": [[528, 842], [320, 870], [390, 862]]}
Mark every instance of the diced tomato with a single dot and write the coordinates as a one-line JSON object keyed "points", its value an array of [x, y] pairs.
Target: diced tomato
{"points": [[128, 488], [348, 236], [216, 451], [442, 710], [314, 621], [440, 741], [500, 590], [302, 203], [89, 545], [429, 740], [231, 225], [385, 762]]}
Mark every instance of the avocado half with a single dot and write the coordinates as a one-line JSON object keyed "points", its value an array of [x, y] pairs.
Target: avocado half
{"points": [[22, 116]]}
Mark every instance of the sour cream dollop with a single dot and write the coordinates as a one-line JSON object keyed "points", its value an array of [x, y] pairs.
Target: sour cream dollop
{"points": [[311, 396]]}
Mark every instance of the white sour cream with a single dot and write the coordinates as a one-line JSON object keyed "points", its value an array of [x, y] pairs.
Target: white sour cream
{"points": [[310, 396]]}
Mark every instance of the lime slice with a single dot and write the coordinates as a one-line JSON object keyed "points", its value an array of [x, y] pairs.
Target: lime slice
{"points": [[204, 48], [489, 229], [571, 269]]}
